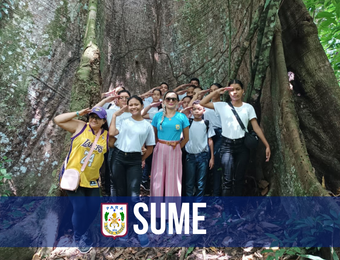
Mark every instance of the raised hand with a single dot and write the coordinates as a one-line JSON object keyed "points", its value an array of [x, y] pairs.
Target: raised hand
{"points": [[111, 98], [185, 109], [202, 92], [85, 111], [110, 93], [182, 92], [222, 90], [151, 90], [156, 104], [121, 111]]}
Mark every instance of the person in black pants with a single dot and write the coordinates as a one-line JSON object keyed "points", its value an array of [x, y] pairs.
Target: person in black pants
{"points": [[234, 154], [131, 133]]}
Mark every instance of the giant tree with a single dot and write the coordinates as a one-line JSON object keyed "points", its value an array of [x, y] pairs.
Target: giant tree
{"points": [[59, 55]]}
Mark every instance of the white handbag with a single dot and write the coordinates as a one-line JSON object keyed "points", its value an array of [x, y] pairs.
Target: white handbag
{"points": [[71, 177]]}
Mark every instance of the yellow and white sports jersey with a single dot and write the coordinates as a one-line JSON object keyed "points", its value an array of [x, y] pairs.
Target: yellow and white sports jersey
{"points": [[80, 147]]}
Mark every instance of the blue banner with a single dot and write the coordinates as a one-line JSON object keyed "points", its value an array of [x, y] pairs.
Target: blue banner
{"points": [[171, 222]]}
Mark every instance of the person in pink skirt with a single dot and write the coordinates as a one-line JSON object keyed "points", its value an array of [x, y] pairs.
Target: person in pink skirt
{"points": [[166, 170]]}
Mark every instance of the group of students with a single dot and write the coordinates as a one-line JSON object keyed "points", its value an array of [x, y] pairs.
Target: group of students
{"points": [[181, 128]]}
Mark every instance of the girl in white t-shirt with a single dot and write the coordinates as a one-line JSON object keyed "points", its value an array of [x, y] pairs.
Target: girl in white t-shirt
{"points": [[186, 110], [234, 154], [131, 134], [150, 110]]}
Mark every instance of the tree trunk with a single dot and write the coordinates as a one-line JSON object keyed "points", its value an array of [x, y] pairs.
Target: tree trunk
{"points": [[54, 60], [318, 109]]}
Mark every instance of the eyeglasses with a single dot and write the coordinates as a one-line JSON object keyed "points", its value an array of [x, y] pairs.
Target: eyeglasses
{"points": [[123, 98], [94, 116], [168, 99]]}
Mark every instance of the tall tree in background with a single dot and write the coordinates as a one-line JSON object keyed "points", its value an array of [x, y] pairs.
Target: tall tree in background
{"points": [[59, 56]]}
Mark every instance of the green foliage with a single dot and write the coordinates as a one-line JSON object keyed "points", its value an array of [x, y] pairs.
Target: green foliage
{"points": [[291, 251], [308, 230], [4, 177], [189, 251], [326, 15], [57, 29], [5, 6]]}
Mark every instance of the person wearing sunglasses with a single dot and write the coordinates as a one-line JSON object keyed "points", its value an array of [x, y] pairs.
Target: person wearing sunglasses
{"points": [[83, 136], [166, 170]]}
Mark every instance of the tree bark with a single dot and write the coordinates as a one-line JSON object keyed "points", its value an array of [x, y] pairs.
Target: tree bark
{"points": [[86, 89], [139, 44], [318, 109]]}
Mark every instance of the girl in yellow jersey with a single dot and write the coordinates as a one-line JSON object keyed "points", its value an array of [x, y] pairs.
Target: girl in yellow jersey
{"points": [[85, 210]]}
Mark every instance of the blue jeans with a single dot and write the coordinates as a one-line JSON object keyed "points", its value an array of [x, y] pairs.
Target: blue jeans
{"points": [[217, 174], [86, 204], [196, 166], [234, 160]]}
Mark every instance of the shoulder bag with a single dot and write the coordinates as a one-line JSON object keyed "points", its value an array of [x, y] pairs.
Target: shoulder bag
{"points": [[71, 177], [251, 139]]}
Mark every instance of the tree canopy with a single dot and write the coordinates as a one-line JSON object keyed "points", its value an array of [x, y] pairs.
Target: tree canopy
{"points": [[326, 15]]}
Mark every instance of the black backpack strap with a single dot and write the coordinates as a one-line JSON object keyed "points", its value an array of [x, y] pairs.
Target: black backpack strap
{"points": [[190, 121], [237, 117], [206, 122]]}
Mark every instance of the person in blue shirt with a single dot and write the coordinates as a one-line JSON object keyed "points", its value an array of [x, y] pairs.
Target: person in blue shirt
{"points": [[166, 170]]}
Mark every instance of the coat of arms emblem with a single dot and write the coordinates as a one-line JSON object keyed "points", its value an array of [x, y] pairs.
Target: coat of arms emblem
{"points": [[114, 219]]}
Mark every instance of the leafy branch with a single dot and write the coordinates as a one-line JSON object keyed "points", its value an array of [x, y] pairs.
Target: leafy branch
{"points": [[326, 15]]}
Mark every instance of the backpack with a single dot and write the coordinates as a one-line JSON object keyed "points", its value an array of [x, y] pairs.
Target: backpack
{"points": [[206, 122]]}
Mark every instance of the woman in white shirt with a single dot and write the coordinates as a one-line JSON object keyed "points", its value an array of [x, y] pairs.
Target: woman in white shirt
{"points": [[131, 134], [234, 153]]}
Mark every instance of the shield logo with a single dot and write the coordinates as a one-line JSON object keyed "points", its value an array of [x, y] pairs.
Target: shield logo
{"points": [[178, 127], [114, 219]]}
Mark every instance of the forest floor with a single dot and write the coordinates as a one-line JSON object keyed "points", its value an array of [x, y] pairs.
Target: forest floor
{"points": [[169, 253], [158, 253]]}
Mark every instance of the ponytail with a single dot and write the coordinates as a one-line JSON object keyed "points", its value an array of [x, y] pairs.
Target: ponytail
{"points": [[163, 116]]}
